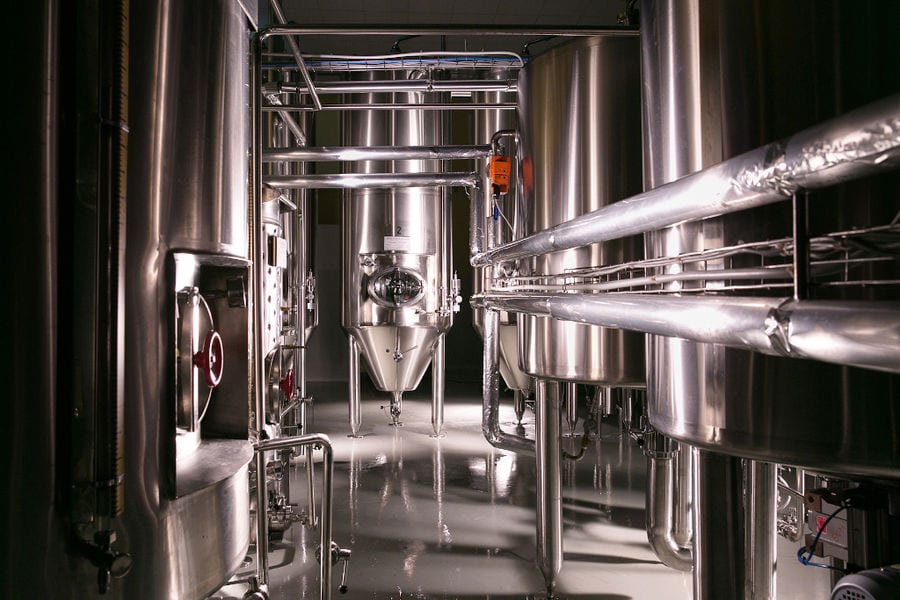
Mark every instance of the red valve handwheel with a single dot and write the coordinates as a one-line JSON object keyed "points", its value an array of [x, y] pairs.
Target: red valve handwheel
{"points": [[287, 384], [210, 359]]}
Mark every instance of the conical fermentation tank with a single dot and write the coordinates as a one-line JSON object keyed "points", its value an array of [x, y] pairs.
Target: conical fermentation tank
{"points": [[579, 119], [397, 285]]}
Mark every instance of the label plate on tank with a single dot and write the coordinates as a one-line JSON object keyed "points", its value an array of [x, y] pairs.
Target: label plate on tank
{"points": [[397, 243]]}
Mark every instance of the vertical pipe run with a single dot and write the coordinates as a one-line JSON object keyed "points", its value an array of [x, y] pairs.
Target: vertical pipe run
{"points": [[310, 442], [262, 518], [258, 311], [490, 390], [438, 379], [355, 411], [761, 533], [547, 456], [684, 490], [661, 453], [719, 561]]}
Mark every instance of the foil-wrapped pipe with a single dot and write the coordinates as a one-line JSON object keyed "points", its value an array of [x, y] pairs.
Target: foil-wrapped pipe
{"points": [[860, 143], [861, 334]]}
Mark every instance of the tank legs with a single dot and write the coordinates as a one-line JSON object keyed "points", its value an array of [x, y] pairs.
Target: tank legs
{"points": [[547, 453], [438, 381], [355, 411]]}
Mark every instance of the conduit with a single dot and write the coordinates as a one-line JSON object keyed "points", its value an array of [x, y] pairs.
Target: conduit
{"points": [[861, 334], [372, 180], [859, 143]]}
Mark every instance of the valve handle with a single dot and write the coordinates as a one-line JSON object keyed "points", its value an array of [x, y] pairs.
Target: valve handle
{"points": [[287, 384], [210, 359]]}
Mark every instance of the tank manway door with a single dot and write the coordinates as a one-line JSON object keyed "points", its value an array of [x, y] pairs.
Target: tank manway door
{"points": [[209, 338], [396, 287]]}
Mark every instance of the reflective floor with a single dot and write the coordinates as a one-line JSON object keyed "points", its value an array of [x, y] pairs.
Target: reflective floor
{"points": [[451, 517]]}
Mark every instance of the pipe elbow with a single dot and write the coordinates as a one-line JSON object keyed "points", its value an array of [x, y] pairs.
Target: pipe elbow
{"points": [[668, 552], [660, 518]]}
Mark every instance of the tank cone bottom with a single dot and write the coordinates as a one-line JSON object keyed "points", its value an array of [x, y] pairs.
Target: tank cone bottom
{"points": [[519, 405]]}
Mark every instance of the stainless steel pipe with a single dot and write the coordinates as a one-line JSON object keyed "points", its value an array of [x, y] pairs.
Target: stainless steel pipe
{"points": [[295, 51], [405, 85], [719, 560], [378, 153], [548, 482], [684, 496], [392, 107], [372, 180], [325, 520], [447, 29], [660, 506], [862, 334], [859, 143], [490, 417], [762, 532]]}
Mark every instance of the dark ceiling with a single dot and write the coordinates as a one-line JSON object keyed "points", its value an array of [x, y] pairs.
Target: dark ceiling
{"points": [[540, 13]]}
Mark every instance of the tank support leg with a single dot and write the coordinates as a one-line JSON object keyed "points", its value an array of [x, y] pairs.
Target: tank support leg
{"points": [[355, 410], [547, 453], [438, 380]]}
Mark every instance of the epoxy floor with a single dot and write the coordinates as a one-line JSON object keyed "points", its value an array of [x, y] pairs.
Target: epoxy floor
{"points": [[452, 517]]}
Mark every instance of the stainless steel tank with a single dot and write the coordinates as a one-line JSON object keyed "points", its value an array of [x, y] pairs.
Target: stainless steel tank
{"points": [[186, 520], [505, 223], [134, 156], [579, 117], [396, 275], [764, 73]]}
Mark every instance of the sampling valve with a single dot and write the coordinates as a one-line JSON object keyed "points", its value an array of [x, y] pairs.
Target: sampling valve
{"points": [[342, 555]]}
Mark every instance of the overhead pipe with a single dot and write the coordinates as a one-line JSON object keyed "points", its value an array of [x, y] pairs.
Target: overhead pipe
{"points": [[862, 142], [395, 85], [401, 106], [372, 180], [861, 334], [353, 153], [295, 50], [447, 29]]}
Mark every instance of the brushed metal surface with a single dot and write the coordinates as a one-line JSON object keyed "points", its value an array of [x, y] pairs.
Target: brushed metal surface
{"points": [[772, 409], [187, 192], [399, 228], [487, 123], [580, 150]]}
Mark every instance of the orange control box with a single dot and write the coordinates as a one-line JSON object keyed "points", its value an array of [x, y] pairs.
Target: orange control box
{"points": [[499, 174]]}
